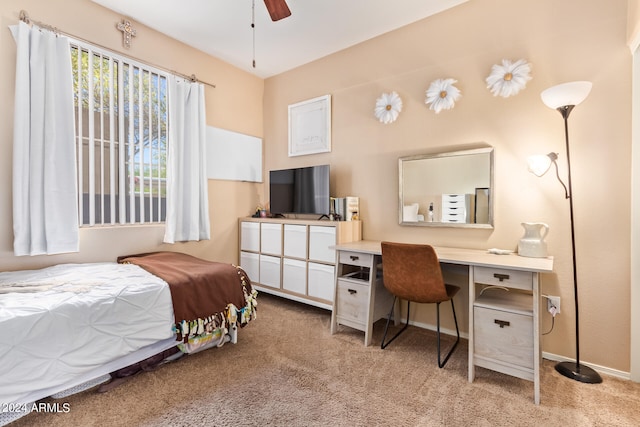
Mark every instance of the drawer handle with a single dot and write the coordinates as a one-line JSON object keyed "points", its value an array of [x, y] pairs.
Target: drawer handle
{"points": [[501, 277], [354, 257], [352, 291], [502, 323]]}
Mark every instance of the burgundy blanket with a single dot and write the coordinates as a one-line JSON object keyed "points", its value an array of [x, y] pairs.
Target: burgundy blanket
{"points": [[201, 290]]}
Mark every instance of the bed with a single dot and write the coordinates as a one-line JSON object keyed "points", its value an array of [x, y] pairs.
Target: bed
{"points": [[69, 326]]}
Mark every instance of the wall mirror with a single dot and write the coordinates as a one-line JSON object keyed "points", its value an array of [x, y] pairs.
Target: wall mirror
{"points": [[452, 189]]}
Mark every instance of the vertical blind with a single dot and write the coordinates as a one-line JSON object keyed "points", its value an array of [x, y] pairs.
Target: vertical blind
{"points": [[121, 135]]}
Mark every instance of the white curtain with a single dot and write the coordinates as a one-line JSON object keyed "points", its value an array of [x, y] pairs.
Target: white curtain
{"points": [[187, 197], [45, 211]]}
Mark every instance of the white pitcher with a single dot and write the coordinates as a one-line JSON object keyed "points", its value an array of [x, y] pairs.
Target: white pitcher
{"points": [[532, 243]]}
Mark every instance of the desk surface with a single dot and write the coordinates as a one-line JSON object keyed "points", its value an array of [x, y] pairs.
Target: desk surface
{"points": [[464, 256]]}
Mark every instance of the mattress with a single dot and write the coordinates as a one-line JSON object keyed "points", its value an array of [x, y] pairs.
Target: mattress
{"points": [[62, 323]]}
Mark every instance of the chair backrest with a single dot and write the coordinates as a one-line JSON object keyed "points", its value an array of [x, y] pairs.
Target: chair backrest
{"points": [[412, 272]]}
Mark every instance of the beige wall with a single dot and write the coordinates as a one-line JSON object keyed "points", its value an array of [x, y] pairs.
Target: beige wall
{"points": [[235, 104], [633, 22], [564, 41], [569, 40]]}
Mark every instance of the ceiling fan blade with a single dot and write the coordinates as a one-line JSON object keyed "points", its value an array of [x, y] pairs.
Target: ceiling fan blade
{"points": [[278, 9]]}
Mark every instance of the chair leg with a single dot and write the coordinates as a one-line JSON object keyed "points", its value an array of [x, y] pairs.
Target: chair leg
{"points": [[455, 319], [383, 344]]}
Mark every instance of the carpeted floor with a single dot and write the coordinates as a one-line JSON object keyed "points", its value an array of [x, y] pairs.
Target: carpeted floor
{"points": [[288, 370]]}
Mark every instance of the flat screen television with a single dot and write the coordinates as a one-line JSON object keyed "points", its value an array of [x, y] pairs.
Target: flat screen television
{"points": [[299, 191]]}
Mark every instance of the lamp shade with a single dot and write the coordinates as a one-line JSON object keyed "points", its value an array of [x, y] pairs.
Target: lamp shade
{"points": [[539, 164], [572, 93]]}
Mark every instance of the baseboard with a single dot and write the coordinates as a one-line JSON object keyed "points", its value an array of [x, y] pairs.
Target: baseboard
{"points": [[445, 331], [600, 369], [545, 355]]}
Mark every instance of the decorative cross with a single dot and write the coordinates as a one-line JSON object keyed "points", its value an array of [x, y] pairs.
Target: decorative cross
{"points": [[127, 32]]}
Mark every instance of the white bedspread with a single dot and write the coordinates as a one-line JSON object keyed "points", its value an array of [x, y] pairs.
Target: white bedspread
{"points": [[81, 317]]}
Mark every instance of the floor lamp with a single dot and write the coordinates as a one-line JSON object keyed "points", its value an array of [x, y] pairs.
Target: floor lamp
{"points": [[564, 98]]}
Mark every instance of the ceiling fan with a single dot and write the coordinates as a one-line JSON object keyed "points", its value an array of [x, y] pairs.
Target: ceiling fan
{"points": [[278, 9]]}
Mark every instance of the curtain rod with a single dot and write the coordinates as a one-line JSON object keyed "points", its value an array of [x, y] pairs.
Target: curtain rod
{"points": [[24, 17]]}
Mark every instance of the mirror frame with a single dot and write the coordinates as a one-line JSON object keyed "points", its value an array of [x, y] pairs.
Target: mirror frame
{"points": [[482, 150]]}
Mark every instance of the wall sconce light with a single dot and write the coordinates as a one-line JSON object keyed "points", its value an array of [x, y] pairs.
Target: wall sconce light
{"points": [[564, 98]]}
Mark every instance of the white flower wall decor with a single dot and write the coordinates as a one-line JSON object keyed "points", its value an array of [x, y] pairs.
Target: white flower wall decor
{"points": [[442, 94], [388, 107], [509, 78]]}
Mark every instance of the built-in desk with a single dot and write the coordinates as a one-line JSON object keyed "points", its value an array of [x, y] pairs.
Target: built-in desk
{"points": [[504, 303]]}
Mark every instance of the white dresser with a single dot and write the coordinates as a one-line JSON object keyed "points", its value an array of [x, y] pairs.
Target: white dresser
{"points": [[458, 208], [294, 259]]}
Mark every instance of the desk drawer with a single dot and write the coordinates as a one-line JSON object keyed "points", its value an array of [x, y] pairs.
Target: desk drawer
{"points": [[502, 277], [512, 343], [353, 301], [356, 258]]}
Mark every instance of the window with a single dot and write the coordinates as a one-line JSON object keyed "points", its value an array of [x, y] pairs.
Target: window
{"points": [[121, 138]]}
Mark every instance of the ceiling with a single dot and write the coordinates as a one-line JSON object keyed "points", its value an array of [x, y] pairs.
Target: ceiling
{"points": [[316, 28]]}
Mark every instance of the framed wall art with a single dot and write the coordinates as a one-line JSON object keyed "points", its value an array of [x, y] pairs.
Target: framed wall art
{"points": [[310, 126]]}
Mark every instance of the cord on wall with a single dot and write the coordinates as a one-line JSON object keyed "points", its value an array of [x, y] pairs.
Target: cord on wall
{"points": [[553, 321]]}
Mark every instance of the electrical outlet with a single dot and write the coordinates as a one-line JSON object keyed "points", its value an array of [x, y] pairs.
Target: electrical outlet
{"points": [[553, 304]]}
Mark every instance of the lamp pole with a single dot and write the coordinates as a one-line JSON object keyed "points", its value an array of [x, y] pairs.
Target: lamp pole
{"points": [[573, 370]]}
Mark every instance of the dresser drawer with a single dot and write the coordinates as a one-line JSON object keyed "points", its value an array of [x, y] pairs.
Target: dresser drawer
{"points": [[250, 236], [294, 272], [321, 281], [356, 258], [457, 210], [271, 239], [270, 267], [502, 277], [295, 241], [452, 199], [454, 217], [503, 336], [250, 263], [353, 301], [321, 242]]}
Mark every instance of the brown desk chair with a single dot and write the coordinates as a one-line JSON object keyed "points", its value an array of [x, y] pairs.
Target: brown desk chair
{"points": [[412, 272]]}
